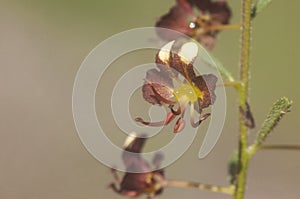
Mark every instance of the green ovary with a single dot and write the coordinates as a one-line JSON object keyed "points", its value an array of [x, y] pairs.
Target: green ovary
{"points": [[188, 92]]}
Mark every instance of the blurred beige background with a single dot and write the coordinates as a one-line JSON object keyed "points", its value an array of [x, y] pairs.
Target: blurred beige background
{"points": [[42, 44]]}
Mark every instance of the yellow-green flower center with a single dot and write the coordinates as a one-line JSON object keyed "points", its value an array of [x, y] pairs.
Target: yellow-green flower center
{"points": [[187, 91]]}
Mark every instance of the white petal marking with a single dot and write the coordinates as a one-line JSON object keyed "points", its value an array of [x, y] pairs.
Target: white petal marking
{"points": [[164, 53], [188, 52], [130, 138]]}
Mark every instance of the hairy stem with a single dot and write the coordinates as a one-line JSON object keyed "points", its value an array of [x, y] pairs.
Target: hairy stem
{"points": [[280, 147], [243, 98], [254, 148], [201, 186]]}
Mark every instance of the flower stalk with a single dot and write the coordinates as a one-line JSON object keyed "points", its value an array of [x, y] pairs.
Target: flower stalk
{"points": [[253, 149], [243, 98], [184, 184]]}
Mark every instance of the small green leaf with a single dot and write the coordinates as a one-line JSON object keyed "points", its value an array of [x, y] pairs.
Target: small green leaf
{"points": [[259, 7], [233, 167], [279, 109]]}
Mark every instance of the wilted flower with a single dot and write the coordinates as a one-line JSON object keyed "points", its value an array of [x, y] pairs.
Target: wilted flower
{"points": [[145, 180], [199, 19], [164, 86]]}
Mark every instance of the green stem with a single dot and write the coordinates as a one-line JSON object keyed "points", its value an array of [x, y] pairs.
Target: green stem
{"points": [[236, 85], [252, 149], [243, 98], [280, 147], [201, 186]]}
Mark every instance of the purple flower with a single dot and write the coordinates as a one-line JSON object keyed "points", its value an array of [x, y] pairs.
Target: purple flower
{"points": [[145, 180], [164, 86], [199, 19]]}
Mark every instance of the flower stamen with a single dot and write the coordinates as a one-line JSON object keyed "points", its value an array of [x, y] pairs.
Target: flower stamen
{"points": [[192, 120]]}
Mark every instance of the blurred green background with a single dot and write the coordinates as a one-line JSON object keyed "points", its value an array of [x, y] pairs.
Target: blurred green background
{"points": [[42, 44]]}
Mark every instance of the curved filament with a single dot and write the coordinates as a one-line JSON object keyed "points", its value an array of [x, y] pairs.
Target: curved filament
{"points": [[169, 118], [180, 124], [175, 112], [202, 118]]}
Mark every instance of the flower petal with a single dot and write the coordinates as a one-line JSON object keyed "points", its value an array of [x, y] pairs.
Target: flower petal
{"points": [[206, 84], [164, 54], [220, 12], [134, 182], [188, 52], [207, 40], [134, 144], [177, 19], [187, 70], [131, 154], [161, 82], [202, 5]]}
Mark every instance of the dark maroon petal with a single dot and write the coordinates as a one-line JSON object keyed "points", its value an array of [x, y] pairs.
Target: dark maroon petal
{"points": [[134, 184], [162, 174], [182, 14], [207, 40], [186, 5], [157, 159], [143, 182], [139, 183], [187, 70], [132, 158], [207, 84], [161, 82], [220, 12], [202, 5], [134, 181], [177, 19], [219, 9]]}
